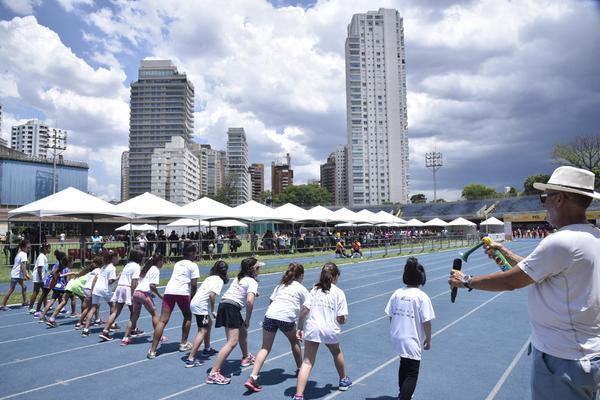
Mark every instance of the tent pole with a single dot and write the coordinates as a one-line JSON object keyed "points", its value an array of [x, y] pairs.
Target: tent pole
{"points": [[130, 236]]}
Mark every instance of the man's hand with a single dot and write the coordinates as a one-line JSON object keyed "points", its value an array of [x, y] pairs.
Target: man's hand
{"points": [[455, 279], [427, 344]]}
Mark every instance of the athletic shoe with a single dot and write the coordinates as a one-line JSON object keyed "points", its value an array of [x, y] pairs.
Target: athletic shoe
{"points": [[4, 308], [253, 385], [151, 355], [209, 352], [345, 383], [114, 327], [52, 324], [32, 311], [163, 339], [297, 397], [105, 336], [24, 304], [136, 332], [216, 378], [193, 363], [85, 333], [248, 361], [98, 322], [37, 314], [187, 346], [74, 315], [78, 326], [63, 311], [125, 341]]}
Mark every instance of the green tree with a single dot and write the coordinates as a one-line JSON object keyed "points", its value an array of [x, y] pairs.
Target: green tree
{"points": [[530, 180], [304, 196], [264, 197], [226, 194], [440, 201], [418, 198], [582, 152], [512, 192], [476, 191]]}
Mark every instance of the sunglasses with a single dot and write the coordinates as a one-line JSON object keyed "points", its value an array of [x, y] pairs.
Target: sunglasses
{"points": [[544, 196]]}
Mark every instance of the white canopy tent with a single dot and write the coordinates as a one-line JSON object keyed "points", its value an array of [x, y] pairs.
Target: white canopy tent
{"points": [[414, 223], [461, 222], [369, 217], [137, 228], [492, 221], [345, 215], [388, 218], [436, 222], [320, 213], [253, 211], [461, 226], [189, 222], [207, 209], [492, 225], [148, 205], [292, 213]]}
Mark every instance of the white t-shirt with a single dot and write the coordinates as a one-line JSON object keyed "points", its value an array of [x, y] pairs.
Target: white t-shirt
{"points": [[130, 272], [564, 303], [90, 279], [106, 274], [239, 289], [212, 284], [41, 261], [152, 277], [409, 309], [62, 237], [183, 273], [15, 272], [287, 301], [325, 307]]}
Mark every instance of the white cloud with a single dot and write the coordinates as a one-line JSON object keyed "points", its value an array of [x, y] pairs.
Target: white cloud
{"points": [[70, 5], [21, 7]]}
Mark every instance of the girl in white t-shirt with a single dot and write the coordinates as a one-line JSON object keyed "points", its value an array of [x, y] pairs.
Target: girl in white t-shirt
{"points": [[101, 287], [40, 272], [19, 274], [86, 304], [124, 292], [286, 301], [241, 293], [410, 313], [324, 311], [203, 306], [143, 295]]}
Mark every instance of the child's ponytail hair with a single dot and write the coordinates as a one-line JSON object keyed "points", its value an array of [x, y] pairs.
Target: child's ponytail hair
{"points": [[293, 273], [414, 273], [136, 255], [329, 272], [220, 269], [157, 257], [248, 268]]}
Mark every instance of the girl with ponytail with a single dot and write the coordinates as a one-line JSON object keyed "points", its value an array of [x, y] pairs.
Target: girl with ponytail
{"points": [[410, 313], [143, 296], [324, 311], [286, 301]]}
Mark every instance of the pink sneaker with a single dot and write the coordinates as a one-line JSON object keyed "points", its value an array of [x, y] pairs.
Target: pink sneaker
{"points": [[125, 341], [163, 339], [216, 378], [248, 360]]}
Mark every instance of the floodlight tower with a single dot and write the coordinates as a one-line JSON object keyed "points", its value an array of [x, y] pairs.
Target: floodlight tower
{"points": [[433, 160]]}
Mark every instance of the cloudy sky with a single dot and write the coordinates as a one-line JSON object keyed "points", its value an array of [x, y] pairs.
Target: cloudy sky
{"points": [[492, 84]]}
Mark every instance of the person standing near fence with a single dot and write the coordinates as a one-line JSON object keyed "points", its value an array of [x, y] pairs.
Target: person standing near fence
{"points": [[563, 279]]}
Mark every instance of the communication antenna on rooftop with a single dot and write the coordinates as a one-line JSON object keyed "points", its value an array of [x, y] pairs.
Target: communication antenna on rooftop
{"points": [[433, 161]]}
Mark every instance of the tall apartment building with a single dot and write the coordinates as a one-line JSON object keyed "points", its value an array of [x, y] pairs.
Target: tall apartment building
{"points": [[215, 169], [200, 152], [376, 109], [282, 175], [37, 139], [162, 107], [257, 178], [237, 165], [124, 175], [175, 172], [334, 176]]}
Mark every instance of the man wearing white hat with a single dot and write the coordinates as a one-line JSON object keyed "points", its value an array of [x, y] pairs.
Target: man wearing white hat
{"points": [[563, 275]]}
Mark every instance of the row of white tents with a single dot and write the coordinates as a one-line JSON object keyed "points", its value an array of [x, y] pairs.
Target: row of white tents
{"points": [[208, 212]]}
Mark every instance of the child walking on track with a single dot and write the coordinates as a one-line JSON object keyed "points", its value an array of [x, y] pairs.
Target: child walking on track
{"points": [[286, 301], [144, 292], [410, 313], [240, 294], [101, 288], [180, 289], [324, 311], [203, 307], [19, 274], [40, 272], [124, 291]]}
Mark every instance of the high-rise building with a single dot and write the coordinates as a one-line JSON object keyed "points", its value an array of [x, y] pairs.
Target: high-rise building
{"points": [[334, 177], [215, 169], [376, 109], [125, 176], [282, 175], [200, 151], [257, 177], [237, 165], [175, 172], [37, 139], [162, 106]]}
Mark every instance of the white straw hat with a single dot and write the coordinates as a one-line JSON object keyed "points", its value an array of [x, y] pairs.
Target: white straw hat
{"points": [[571, 179]]}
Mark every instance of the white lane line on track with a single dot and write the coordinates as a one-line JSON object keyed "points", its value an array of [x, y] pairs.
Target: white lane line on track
{"points": [[392, 360], [508, 371]]}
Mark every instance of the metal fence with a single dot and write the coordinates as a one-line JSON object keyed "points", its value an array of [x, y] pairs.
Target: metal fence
{"points": [[244, 246]]}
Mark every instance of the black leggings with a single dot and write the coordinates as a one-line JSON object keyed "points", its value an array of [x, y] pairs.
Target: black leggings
{"points": [[407, 377]]}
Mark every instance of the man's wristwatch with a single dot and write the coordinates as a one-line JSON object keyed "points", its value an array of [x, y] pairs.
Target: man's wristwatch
{"points": [[466, 281]]}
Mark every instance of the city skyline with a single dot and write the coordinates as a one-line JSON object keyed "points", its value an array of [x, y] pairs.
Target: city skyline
{"points": [[277, 71]]}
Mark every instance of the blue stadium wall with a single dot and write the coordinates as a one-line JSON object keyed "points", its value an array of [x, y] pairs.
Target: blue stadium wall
{"points": [[23, 182]]}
